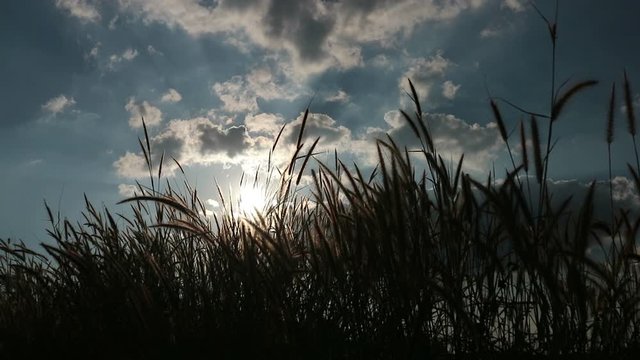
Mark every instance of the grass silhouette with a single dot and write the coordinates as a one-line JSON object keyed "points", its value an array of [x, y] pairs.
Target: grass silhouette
{"points": [[403, 263]]}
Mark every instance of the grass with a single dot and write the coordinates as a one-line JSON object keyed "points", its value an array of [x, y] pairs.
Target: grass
{"points": [[417, 260]]}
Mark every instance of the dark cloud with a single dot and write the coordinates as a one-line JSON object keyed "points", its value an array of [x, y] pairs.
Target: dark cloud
{"points": [[232, 141], [318, 125]]}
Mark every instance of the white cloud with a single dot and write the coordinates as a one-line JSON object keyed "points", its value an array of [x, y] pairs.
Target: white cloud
{"points": [[172, 96], [58, 104], [213, 203], [423, 73], [490, 31], [131, 165], [207, 141], [341, 96], [81, 9], [449, 89], [152, 51], [127, 55], [513, 5], [314, 35], [624, 191], [241, 93], [152, 115], [93, 53], [193, 141], [264, 123], [127, 190], [112, 22], [33, 162]]}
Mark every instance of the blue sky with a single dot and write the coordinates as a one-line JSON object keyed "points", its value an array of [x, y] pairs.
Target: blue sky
{"points": [[216, 80]]}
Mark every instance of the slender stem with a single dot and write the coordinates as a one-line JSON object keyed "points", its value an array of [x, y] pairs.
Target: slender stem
{"points": [[635, 149], [611, 186], [553, 31]]}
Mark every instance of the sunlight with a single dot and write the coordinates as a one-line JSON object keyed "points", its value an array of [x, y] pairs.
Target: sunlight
{"points": [[252, 199]]}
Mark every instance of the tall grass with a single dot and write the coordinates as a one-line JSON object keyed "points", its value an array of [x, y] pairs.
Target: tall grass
{"points": [[416, 260]]}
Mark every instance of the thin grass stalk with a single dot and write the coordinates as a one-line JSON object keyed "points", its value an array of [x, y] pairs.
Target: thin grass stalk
{"points": [[609, 139]]}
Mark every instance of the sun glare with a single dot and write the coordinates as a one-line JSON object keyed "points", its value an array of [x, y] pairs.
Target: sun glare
{"points": [[252, 199]]}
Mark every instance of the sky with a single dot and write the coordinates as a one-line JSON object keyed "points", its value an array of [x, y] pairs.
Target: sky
{"points": [[216, 80]]}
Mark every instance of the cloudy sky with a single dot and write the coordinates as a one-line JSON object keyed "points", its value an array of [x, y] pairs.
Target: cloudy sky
{"points": [[215, 80]]}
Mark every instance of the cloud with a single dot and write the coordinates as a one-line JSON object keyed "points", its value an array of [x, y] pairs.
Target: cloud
{"points": [[80, 9], [58, 104], [481, 145], [381, 61], [192, 141], [152, 115], [127, 55], [127, 190], [264, 123], [153, 51], [340, 96], [241, 93], [314, 35], [331, 134], [513, 5], [171, 96], [93, 53], [449, 89], [213, 203], [624, 192], [424, 72], [635, 103], [112, 22], [207, 141], [490, 31], [34, 162]]}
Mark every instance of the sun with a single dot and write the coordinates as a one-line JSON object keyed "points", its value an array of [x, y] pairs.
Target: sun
{"points": [[251, 199]]}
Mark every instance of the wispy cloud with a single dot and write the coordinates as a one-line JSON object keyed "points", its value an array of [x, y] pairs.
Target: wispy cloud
{"points": [[58, 104], [449, 89], [127, 55], [81, 9], [341, 96], [171, 96], [153, 51], [513, 5]]}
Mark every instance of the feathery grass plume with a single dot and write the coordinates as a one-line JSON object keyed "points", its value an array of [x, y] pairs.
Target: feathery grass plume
{"points": [[421, 123], [562, 100], [631, 118], [523, 144], [498, 116], [537, 152], [628, 101]]}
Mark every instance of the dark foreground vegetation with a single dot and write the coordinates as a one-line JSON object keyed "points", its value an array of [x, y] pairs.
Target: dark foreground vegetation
{"points": [[401, 263]]}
